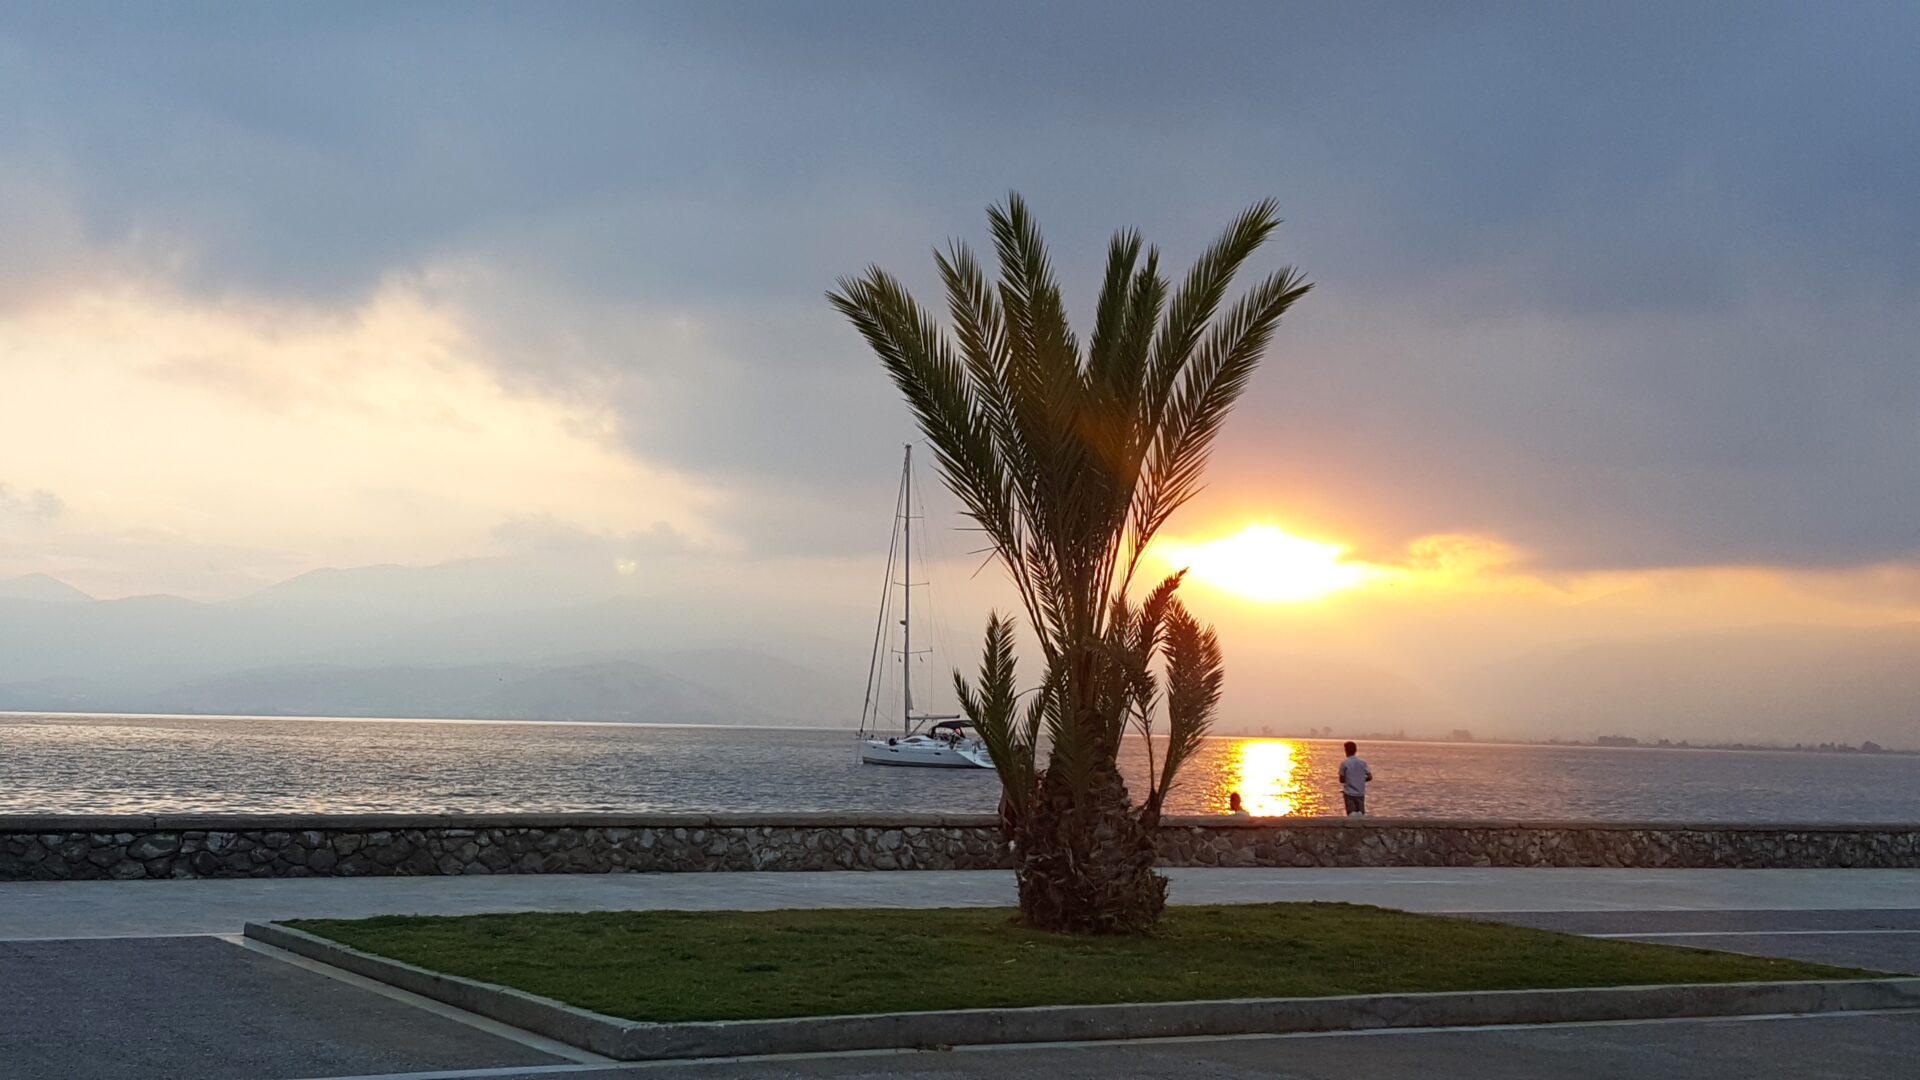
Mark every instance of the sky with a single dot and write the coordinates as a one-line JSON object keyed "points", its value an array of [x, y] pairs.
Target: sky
{"points": [[1613, 332]]}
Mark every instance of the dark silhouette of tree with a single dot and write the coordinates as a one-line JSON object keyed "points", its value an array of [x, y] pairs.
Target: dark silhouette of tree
{"points": [[1070, 458]]}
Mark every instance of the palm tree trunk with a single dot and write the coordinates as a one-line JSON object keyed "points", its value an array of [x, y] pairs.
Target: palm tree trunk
{"points": [[1085, 866]]}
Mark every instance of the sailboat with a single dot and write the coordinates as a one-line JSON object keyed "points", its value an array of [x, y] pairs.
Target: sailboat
{"points": [[924, 740]]}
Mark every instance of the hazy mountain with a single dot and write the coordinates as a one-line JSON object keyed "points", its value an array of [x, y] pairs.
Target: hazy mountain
{"points": [[433, 641], [703, 687], [60, 695], [710, 687], [460, 587], [394, 617], [41, 588], [136, 638]]}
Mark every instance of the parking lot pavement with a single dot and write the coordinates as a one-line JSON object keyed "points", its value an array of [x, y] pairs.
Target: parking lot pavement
{"points": [[200, 1008], [1882, 940]]}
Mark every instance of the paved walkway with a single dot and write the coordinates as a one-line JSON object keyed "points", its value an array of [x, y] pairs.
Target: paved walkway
{"points": [[121, 979], [69, 909]]}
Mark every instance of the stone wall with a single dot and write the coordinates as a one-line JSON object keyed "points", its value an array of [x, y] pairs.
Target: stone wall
{"points": [[362, 845], [1415, 842], [180, 846]]}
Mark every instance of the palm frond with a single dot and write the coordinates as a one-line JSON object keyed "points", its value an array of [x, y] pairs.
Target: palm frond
{"points": [[1196, 675], [992, 707], [917, 355], [1070, 464], [1207, 392], [1106, 351], [1199, 297]]}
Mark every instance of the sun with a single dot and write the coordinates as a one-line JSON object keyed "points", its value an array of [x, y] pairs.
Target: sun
{"points": [[1264, 562]]}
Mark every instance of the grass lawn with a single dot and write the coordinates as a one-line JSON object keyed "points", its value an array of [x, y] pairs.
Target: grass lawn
{"points": [[733, 965]]}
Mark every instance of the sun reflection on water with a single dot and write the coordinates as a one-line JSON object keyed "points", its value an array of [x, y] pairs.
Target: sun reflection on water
{"points": [[1266, 774]]}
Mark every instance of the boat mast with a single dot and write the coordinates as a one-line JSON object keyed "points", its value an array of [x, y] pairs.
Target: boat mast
{"points": [[906, 592], [904, 538], [871, 705]]}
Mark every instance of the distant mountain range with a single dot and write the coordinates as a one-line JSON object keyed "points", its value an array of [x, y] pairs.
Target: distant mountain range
{"points": [[340, 645], [40, 587], [705, 687], [477, 640]]}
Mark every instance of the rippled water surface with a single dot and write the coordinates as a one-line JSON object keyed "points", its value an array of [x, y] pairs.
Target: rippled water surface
{"points": [[100, 764]]}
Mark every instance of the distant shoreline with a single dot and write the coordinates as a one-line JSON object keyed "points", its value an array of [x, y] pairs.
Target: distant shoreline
{"points": [[1615, 742], [29, 713], [1601, 743]]}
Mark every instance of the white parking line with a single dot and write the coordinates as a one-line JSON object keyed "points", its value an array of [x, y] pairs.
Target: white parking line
{"points": [[1748, 933], [482, 1074], [106, 937], [1372, 1033]]}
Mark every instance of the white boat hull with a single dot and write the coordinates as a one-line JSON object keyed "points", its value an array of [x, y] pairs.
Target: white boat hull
{"points": [[918, 751]]}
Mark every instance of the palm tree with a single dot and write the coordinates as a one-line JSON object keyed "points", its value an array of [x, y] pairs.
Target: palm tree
{"points": [[1070, 459]]}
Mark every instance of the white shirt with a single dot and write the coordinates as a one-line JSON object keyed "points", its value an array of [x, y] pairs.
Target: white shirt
{"points": [[1354, 775]]}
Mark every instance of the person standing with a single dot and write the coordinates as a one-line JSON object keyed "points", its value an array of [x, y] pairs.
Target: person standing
{"points": [[1354, 775]]}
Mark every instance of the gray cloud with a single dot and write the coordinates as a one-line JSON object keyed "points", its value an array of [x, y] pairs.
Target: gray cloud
{"points": [[545, 534], [37, 504], [1630, 285]]}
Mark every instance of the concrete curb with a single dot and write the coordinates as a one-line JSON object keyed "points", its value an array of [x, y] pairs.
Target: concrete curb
{"points": [[628, 1040]]}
